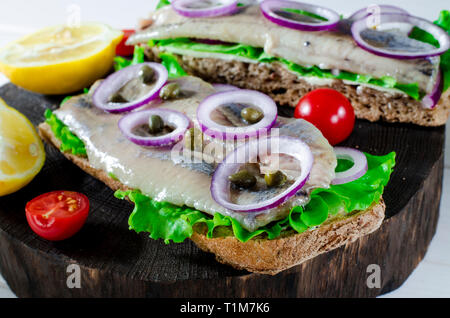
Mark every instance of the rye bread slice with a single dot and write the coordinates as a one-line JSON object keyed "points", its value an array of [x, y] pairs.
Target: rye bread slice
{"points": [[286, 89], [261, 255]]}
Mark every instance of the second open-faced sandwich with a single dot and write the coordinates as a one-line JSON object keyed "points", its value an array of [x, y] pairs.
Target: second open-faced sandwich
{"points": [[389, 64], [217, 165]]}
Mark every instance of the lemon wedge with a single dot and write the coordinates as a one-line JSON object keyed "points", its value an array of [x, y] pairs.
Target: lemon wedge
{"points": [[60, 59], [22, 154]]}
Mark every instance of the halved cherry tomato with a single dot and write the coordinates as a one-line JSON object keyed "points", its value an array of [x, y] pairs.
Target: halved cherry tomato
{"points": [[328, 110], [57, 215], [122, 49]]}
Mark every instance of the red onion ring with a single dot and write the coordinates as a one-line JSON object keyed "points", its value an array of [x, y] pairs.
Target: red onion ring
{"points": [[243, 96], [224, 7], [384, 8], [431, 100], [439, 34], [224, 87], [358, 169], [268, 8], [116, 80], [170, 117], [220, 185]]}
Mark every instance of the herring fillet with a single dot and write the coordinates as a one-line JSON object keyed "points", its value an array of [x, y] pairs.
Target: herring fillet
{"points": [[156, 174], [326, 49]]}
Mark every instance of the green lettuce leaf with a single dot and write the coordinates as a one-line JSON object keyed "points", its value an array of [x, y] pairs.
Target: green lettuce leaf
{"points": [[173, 223], [161, 219], [162, 3], [69, 142], [170, 62], [181, 45], [361, 193], [444, 22], [423, 36], [138, 57]]}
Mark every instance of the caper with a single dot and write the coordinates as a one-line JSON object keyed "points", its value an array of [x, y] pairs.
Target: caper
{"points": [[275, 179], [243, 179], [193, 139], [251, 115], [155, 124], [170, 91], [117, 97], [147, 74]]}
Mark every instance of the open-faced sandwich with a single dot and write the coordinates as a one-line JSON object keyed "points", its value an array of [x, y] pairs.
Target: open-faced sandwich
{"points": [[216, 164], [389, 64]]}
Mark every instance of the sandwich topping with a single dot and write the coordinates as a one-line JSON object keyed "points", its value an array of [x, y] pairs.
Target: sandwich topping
{"points": [[277, 188], [179, 186], [130, 87], [154, 127], [237, 114], [248, 36], [165, 174]]}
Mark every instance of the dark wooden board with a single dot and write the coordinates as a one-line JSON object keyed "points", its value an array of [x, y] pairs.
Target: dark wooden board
{"points": [[116, 262]]}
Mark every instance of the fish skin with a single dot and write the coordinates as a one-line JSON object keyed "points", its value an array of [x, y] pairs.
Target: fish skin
{"points": [[335, 50], [183, 183]]}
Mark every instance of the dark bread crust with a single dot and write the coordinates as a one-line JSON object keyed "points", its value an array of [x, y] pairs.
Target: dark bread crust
{"points": [[261, 255], [273, 256], [287, 88]]}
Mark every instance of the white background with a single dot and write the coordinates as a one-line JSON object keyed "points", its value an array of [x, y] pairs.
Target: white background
{"points": [[18, 17]]}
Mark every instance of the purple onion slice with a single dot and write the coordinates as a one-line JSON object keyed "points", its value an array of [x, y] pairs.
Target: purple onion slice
{"points": [[132, 121], [240, 96], [115, 81], [204, 8], [274, 11], [249, 152], [431, 100], [358, 169], [397, 44]]}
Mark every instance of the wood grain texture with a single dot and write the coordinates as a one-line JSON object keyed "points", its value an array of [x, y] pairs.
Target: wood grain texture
{"points": [[117, 262]]}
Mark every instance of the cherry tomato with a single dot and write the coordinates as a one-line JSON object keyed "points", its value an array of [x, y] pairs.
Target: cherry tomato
{"points": [[328, 110], [122, 49], [57, 215]]}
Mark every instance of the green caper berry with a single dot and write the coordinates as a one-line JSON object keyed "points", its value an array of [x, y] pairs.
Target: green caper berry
{"points": [[193, 139], [275, 179], [147, 75], [170, 91], [251, 115], [118, 98], [155, 124], [243, 179]]}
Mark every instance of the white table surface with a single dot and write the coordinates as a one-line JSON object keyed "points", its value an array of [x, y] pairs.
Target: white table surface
{"points": [[18, 17]]}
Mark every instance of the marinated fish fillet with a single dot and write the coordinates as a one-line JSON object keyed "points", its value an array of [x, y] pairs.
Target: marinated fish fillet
{"points": [[165, 177], [327, 50]]}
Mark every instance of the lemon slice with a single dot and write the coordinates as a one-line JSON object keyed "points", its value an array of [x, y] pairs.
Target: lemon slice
{"points": [[60, 59], [22, 154]]}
